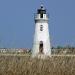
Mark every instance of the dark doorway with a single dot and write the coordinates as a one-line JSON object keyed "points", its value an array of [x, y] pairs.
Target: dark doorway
{"points": [[41, 47]]}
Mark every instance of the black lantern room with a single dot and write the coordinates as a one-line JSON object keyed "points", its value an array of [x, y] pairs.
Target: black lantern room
{"points": [[41, 11]]}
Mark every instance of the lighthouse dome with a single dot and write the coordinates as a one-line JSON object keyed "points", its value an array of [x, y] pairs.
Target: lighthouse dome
{"points": [[42, 10]]}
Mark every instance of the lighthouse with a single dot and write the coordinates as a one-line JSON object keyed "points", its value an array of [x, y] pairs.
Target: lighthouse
{"points": [[41, 43]]}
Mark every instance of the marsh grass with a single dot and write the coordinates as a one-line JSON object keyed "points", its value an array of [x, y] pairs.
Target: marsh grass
{"points": [[24, 65]]}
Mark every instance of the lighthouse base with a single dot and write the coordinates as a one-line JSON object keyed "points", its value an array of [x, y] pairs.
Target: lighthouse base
{"points": [[41, 56]]}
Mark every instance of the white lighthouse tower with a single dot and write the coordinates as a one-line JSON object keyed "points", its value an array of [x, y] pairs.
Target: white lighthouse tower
{"points": [[41, 45]]}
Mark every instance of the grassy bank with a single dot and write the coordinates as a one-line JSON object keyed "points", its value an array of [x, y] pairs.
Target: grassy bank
{"points": [[24, 65]]}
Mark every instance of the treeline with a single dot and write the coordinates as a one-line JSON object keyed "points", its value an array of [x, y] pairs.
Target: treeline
{"points": [[54, 50], [63, 50]]}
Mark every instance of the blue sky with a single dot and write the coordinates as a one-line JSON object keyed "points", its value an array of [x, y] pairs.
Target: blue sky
{"points": [[17, 22]]}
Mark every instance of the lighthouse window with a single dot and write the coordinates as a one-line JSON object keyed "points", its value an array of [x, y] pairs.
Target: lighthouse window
{"points": [[41, 27], [41, 15]]}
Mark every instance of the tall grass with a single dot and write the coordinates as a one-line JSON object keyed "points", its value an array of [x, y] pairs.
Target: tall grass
{"points": [[24, 65]]}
